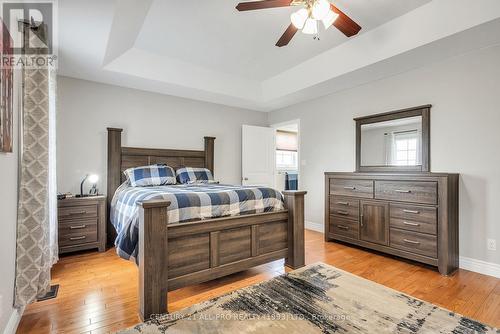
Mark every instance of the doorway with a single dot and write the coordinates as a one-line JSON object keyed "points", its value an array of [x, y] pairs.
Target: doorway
{"points": [[287, 155]]}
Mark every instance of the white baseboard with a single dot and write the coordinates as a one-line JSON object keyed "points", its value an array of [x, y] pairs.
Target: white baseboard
{"points": [[318, 227], [479, 266], [14, 319]]}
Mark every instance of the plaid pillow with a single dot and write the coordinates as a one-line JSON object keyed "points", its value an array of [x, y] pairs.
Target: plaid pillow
{"points": [[194, 175], [154, 175]]}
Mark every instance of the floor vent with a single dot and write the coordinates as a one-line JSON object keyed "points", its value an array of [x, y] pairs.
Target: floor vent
{"points": [[51, 294]]}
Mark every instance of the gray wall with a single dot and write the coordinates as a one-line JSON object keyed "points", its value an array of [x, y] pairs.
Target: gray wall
{"points": [[465, 117], [8, 219], [86, 108]]}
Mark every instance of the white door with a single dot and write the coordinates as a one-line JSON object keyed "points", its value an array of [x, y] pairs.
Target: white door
{"points": [[258, 156]]}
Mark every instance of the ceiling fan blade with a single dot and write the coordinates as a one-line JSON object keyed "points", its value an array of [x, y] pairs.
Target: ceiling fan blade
{"points": [[252, 5], [287, 36], [344, 23]]}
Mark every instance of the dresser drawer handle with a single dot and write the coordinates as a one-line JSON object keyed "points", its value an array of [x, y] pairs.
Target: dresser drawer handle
{"points": [[403, 191], [342, 212], [343, 227], [411, 211], [77, 227], [411, 224], [77, 238], [411, 242], [350, 188], [343, 203]]}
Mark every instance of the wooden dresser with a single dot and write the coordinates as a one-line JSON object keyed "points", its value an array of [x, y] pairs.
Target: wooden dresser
{"points": [[414, 216], [82, 224]]}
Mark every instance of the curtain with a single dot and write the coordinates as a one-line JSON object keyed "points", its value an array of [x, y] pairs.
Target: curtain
{"points": [[390, 148], [419, 147], [35, 226], [54, 247]]}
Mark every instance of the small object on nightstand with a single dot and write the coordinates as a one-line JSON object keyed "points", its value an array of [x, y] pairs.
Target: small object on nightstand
{"points": [[82, 223]]}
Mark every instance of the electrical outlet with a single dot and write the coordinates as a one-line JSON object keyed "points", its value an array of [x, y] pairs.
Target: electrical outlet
{"points": [[492, 244]]}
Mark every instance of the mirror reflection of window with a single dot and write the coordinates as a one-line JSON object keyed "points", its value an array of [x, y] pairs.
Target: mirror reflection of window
{"points": [[403, 148], [392, 143]]}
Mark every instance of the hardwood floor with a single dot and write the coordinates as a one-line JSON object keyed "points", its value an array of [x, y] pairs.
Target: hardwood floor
{"points": [[98, 291]]}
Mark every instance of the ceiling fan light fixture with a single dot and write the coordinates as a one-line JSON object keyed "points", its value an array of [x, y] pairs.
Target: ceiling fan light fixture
{"points": [[299, 18], [310, 27], [329, 19], [320, 9]]}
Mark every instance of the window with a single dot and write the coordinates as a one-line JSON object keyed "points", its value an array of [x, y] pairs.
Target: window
{"points": [[286, 150], [286, 160], [406, 149]]}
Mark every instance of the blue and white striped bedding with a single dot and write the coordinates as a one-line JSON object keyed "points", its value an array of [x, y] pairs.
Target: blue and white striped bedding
{"points": [[189, 202]]}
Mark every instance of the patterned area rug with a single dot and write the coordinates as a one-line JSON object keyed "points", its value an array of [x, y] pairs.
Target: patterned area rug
{"points": [[314, 299]]}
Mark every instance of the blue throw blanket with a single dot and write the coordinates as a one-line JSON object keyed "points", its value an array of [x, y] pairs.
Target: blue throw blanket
{"points": [[189, 202]]}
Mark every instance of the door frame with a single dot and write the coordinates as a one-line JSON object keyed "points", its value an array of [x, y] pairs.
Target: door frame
{"points": [[275, 126]]}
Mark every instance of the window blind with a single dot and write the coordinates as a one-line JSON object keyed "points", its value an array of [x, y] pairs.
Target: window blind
{"points": [[286, 141]]}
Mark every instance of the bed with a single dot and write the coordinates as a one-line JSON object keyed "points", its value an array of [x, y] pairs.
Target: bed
{"points": [[178, 244]]}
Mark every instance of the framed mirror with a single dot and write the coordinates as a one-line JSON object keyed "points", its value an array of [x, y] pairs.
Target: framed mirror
{"points": [[397, 141]]}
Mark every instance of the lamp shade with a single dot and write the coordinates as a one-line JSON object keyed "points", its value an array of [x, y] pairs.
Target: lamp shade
{"points": [[299, 18], [310, 27], [93, 178], [320, 9], [329, 19]]}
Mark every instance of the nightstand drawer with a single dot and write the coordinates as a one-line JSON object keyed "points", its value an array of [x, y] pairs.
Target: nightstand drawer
{"points": [[78, 236], [77, 212], [77, 226]]}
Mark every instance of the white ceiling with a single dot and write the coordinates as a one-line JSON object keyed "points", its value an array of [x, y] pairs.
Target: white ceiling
{"points": [[214, 35], [208, 51]]}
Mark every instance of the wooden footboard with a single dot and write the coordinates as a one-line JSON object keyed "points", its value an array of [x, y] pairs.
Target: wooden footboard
{"points": [[177, 255]]}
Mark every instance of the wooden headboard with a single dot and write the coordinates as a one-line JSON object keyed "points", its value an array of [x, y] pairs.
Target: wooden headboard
{"points": [[120, 158]]}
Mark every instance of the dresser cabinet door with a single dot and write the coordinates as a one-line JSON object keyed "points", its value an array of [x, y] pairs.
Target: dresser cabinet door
{"points": [[375, 222]]}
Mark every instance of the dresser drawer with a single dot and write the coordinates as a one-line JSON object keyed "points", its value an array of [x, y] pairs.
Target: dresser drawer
{"points": [[344, 227], [350, 187], [423, 244], [414, 212], [345, 207], [414, 218], [407, 191], [414, 225], [77, 212], [77, 237]]}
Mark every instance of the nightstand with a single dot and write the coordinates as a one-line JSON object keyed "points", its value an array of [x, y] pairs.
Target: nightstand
{"points": [[82, 223]]}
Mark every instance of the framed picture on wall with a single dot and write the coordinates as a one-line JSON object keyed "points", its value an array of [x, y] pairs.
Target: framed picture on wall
{"points": [[6, 92]]}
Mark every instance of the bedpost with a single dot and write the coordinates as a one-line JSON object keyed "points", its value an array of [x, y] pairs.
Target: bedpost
{"points": [[114, 171], [153, 258], [209, 153], [294, 202]]}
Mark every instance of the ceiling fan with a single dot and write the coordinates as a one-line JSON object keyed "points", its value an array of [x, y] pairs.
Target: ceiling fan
{"points": [[308, 17]]}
